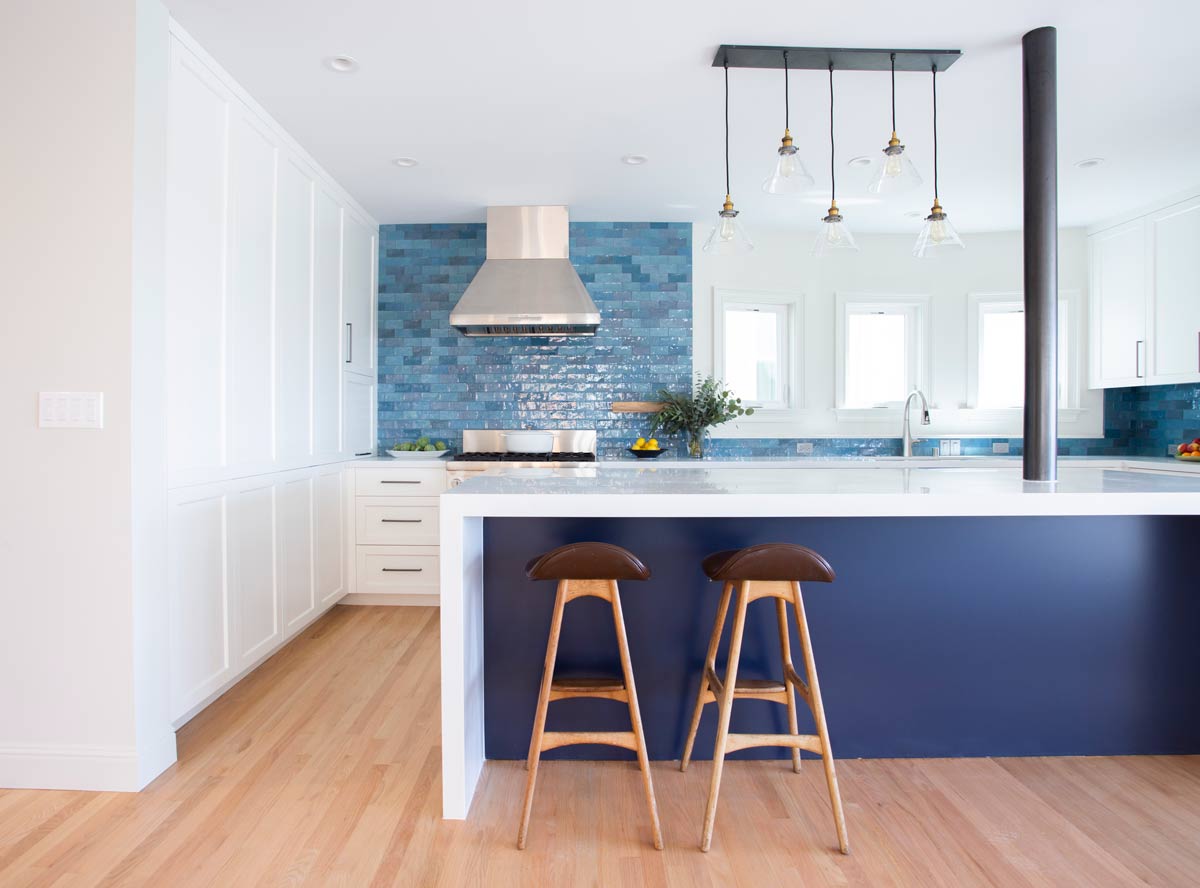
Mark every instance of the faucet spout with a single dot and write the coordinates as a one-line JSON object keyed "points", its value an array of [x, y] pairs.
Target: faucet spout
{"points": [[909, 440]]}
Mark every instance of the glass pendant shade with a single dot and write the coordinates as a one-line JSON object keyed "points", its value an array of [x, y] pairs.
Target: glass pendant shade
{"points": [[728, 238], [938, 236], [896, 174], [789, 175], [834, 236]]}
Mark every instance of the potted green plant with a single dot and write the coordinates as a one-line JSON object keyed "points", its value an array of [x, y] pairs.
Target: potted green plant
{"points": [[693, 413]]}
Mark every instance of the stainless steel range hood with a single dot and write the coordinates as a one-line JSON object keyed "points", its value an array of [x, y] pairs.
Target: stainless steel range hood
{"points": [[526, 286]]}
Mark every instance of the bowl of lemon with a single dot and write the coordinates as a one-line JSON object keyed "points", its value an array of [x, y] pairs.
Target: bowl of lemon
{"points": [[644, 449]]}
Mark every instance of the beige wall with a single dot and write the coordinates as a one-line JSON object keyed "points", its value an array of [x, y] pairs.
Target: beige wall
{"points": [[67, 642]]}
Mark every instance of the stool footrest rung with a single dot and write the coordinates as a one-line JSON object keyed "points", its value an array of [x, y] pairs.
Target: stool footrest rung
{"points": [[808, 742], [605, 688], [555, 739]]}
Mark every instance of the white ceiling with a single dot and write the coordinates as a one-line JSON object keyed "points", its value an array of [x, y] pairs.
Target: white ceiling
{"points": [[535, 101]]}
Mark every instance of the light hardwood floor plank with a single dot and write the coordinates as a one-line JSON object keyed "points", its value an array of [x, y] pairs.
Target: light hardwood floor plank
{"points": [[323, 767]]}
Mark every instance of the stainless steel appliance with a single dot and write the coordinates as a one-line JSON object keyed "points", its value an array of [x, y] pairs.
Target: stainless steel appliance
{"points": [[484, 452], [526, 285]]}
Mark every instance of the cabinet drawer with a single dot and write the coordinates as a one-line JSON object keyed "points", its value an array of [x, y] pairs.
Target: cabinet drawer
{"points": [[384, 521], [399, 482], [392, 570]]}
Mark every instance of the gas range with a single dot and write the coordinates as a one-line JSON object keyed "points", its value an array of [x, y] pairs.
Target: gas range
{"points": [[574, 454]]}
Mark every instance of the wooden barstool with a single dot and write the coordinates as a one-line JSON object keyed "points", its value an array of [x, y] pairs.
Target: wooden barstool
{"points": [[584, 569], [773, 570]]}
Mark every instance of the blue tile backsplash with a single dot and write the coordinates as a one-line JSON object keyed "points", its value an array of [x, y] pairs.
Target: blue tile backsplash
{"points": [[433, 380]]}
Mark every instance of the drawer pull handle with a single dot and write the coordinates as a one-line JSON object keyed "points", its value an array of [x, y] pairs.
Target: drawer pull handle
{"points": [[385, 481], [401, 520], [402, 569]]}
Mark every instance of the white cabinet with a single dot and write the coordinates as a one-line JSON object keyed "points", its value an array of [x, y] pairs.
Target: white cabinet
{"points": [[1174, 235], [1145, 299], [270, 290], [396, 535], [358, 294], [358, 405], [1118, 305], [252, 562]]}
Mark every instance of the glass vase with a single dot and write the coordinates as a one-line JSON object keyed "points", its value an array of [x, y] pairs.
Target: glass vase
{"points": [[696, 442]]}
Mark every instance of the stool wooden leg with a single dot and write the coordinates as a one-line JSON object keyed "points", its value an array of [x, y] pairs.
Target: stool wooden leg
{"points": [[725, 700], [814, 689], [710, 662], [539, 720], [635, 715], [785, 649]]}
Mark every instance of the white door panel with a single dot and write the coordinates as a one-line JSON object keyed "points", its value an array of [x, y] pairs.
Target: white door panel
{"points": [[1175, 344], [330, 543], [297, 591], [255, 592], [293, 314]]}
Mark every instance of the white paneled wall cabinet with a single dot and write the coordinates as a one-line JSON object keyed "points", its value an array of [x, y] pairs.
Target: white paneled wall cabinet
{"points": [[270, 332], [1145, 298]]}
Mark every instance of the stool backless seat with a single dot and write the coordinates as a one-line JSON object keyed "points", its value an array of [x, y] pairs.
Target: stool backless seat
{"points": [[587, 569], [772, 570]]}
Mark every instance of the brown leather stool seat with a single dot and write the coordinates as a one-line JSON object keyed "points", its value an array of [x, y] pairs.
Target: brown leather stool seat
{"points": [[772, 570], [771, 561], [587, 569], [587, 561]]}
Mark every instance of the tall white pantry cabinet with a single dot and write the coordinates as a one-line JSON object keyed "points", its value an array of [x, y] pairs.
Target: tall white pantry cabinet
{"points": [[271, 379]]}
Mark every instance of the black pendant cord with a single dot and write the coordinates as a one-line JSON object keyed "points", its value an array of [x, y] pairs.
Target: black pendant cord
{"points": [[935, 157], [727, 191], [832, 170], [787, 104], [893, 94]]}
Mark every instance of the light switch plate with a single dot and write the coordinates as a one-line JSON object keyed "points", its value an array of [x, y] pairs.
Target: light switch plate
{"points": [[804, 448], [71, 410], [999, 447]]}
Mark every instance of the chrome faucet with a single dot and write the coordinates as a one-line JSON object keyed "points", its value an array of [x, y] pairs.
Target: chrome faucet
{"points": [[909, 440]]}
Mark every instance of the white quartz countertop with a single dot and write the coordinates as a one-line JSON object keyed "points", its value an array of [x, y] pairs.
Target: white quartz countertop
{"points": [[1085, 487], [391, 462]]}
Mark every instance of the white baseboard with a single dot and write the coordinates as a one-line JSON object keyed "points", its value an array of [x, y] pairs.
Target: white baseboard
{"points": [[93, 768], [391, 599]]}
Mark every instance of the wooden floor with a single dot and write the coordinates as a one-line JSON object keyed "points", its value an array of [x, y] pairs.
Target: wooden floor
{"points": [[322, 768]]}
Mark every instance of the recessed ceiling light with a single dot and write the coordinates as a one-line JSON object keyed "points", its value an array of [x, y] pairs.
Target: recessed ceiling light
{"points": [[404, 161], [915, 214], [859, 161], [342, 64], [1089, 163], [681, 206], [634, 159]]}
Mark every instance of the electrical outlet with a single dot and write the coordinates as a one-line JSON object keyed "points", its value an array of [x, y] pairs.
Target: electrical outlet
{"points": [[999, 447], [804, 448], [956, 447], [944, 447]]}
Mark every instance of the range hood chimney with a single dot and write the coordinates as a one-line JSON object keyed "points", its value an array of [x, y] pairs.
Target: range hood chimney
{"points": [[526, 286]]}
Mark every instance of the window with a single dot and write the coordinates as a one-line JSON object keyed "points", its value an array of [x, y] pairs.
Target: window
{"points": [[996, 352], [755, 337], [881, 345]]}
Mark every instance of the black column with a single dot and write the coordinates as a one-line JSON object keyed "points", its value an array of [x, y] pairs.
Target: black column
{"points": [[1040, 118]]}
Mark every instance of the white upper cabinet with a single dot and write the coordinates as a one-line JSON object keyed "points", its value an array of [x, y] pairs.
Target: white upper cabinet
{"points": [[294, 314], [1118, 306], [270, 287], [1174, 236], [358, 294], [358, 409]]}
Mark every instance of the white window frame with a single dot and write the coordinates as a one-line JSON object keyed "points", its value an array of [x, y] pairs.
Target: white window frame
{"points": [[1068, 311], [790, 308], [917, 307]]}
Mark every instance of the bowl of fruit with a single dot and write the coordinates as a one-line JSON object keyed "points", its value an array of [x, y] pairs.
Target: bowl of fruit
{"points": [[1189, 450], [644, 449], [422, 448]]}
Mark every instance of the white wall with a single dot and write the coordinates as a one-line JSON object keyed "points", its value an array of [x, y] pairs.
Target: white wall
{"points": [[70, 540], [782, 263]]}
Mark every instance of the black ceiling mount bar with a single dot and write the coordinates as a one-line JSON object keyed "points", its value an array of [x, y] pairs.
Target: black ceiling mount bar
{"points": [[819, 58]]}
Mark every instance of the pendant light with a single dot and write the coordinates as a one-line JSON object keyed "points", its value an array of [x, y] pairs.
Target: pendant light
{"points": [[834, 233], [896, 174], [727, 237], [789, 175], [938, 235]]}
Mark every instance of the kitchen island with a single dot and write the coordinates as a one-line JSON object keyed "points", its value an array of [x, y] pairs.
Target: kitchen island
{"points": [[974, 613]]}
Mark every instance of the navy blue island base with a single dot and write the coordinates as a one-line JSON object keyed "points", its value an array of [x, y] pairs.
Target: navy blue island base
{"points": [[941, 637]]}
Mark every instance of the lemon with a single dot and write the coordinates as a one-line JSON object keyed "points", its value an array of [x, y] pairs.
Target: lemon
{"points": [[640, 442], [652, 444]]}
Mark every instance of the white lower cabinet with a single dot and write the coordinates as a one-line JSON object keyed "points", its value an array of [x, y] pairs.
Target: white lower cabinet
{"points": [[396, 535], [252, 563]]}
